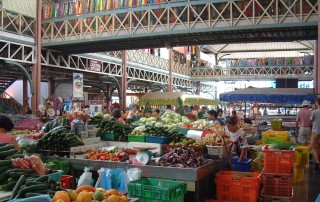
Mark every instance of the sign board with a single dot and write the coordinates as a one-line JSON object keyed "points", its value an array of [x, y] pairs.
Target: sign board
{"points": [[95, 65], [77, 85]]}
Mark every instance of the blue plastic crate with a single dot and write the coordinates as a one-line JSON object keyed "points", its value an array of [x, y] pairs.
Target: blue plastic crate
{"points": [[158, 140], [244, 166], [107, 136]]}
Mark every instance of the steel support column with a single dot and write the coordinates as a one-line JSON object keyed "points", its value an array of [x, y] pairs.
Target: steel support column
{"points": [[25, 95], [198, 87], [51, 87], [108, 97], [36, 70], [170, 80], [124, 81]]}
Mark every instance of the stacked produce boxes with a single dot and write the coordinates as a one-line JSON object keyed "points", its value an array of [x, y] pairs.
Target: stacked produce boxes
{"points": [[301, 159], [277, 175]]}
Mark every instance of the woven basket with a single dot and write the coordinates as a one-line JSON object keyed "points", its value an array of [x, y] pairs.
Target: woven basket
{"points": [[250, 130]]}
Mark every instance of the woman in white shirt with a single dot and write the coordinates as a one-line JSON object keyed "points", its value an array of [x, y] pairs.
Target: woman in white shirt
{"points": [[238, 138]]}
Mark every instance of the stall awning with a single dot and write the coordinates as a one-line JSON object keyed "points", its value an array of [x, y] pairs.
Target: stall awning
{"points": [[270, 95], [165, 98]]}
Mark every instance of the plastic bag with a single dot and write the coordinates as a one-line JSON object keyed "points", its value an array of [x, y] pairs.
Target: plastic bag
{"points": [[42, 198], [113, 179], [133, 174], [100, 174], [85, 178]]}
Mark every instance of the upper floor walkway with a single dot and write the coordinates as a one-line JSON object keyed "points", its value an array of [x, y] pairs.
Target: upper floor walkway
{"points": [[176, 23]]}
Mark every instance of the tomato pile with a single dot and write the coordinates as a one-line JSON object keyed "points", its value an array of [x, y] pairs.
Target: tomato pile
{"points": [[115, 155]]}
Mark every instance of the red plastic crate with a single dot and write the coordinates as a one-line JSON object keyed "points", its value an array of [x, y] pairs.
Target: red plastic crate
{"points": [[277, 185], [238, 186], [278, 161], [66, 181]]}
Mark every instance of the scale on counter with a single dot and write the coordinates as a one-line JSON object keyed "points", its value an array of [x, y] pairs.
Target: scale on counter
{"points": [[144, 155]]}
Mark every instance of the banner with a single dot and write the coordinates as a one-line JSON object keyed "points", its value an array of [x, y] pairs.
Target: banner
{"points": [[95, 65], [77, 85]]}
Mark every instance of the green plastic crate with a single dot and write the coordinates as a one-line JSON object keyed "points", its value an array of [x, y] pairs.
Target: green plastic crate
{"points": [[183, 130], [58, 165], [107, 136], [55, 176], [136, 138], [154, 190]]}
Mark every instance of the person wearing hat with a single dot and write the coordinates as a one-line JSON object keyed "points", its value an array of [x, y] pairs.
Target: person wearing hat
{"points": [[303, 124]]}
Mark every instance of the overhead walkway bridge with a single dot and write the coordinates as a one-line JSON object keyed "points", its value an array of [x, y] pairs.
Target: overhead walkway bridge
{"points": [[183, 23]]}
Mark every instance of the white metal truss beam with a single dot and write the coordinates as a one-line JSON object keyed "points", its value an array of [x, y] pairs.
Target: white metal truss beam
{"points": [[17, 52], [252, 73], [17, 23]]}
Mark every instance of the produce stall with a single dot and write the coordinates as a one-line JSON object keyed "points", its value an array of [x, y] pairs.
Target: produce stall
{"points": [[198, 179]]}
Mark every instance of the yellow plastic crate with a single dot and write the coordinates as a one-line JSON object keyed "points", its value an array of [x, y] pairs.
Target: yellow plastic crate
{"points": [[298, 174], [276, 124], [257, 166], [271, 136], [301, 156]]}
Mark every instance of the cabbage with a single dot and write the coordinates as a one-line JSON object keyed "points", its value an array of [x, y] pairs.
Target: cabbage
{"points": [[143, 120], [168, 120], [99, 114], [185, 120], [180, 124], [152, 119], [177, 116], [148, 123], [107, 117], [171, 115], [153, 122], [177, 120], [158, 124]]}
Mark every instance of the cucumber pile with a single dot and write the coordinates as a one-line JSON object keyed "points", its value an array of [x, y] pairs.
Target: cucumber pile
{"points": [[59, 139], [120, 130], [27, 186], [7, 152]]}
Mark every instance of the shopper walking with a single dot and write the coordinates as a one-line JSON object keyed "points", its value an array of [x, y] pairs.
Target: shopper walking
{"points": [[303, 124], [315, 136], [6, 125]]}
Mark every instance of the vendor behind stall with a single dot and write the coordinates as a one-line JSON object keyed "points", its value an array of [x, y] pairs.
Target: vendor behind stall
{"points": [[6, 125], [213, 116], [238, 138]]}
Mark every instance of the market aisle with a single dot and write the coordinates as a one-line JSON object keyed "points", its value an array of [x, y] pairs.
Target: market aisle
{"points": [[314, 182], [301, 189]]}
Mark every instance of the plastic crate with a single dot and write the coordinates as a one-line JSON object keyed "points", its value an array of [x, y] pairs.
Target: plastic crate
{"points": [[107, 136], [66, 181], [277, 185], [136, 138], [55, 176], [278, 161], [301, 156], [276, 199], [238, 186], [158, 140], [257, 165], [183, 130], [298, 174], [276, 124], [244, 166], [198, 149], [270, 137], [58, 165], [218, 150], [154, 190]]}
